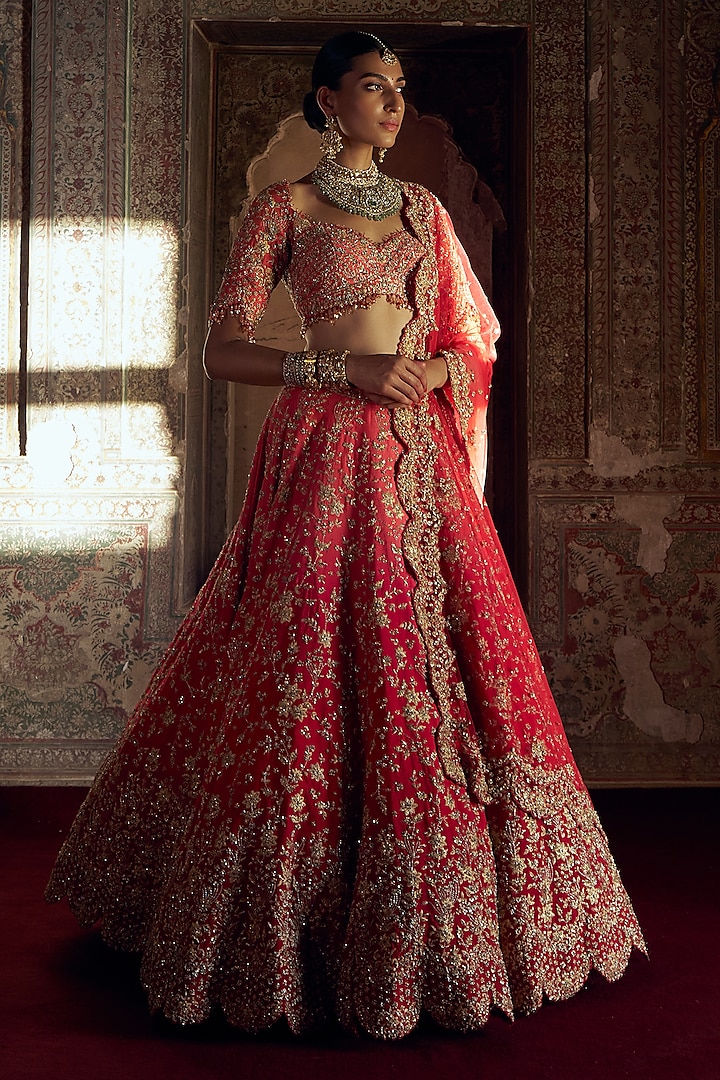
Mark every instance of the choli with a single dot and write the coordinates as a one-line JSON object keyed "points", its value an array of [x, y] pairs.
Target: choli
{"points": [[334, 269], [329, 269]]}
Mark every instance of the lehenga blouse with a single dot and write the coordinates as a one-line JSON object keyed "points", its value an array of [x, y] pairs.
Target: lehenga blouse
{"points": [[331, 269]]}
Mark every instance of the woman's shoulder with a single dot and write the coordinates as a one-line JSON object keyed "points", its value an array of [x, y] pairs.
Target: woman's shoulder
{"points": [[422, 206], [268, 211], [419, 194], [274, 195]]}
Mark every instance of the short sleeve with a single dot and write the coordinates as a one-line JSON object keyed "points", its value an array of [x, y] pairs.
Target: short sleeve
{"points": [[258, 259]]}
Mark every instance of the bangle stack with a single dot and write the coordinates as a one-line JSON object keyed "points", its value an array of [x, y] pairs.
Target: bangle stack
{"points": [[322, 369], [298, 369]]}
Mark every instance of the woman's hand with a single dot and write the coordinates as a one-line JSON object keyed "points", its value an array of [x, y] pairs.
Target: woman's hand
{"points": [[386, 379], [436, 371], [396, 381]]}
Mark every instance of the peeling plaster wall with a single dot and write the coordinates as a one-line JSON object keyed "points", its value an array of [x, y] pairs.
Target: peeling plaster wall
{"points": [[624, 509], [626, 571]]}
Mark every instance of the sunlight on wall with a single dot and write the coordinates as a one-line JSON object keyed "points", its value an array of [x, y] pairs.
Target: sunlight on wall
{"points": [[64, 449], [150, 259], [103, 333], [103, 295]]}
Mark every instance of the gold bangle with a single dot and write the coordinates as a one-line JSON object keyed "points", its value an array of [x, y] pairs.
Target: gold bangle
{"points": [[330, 369], [316, 369], [299, 369]]}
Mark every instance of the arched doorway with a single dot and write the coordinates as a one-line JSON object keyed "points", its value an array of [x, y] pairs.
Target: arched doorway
{"points": [[246, 79]]}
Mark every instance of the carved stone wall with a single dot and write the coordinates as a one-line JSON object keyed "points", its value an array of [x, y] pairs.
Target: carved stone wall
{"points": [[103, 234], [88, 513], [626, 586]]}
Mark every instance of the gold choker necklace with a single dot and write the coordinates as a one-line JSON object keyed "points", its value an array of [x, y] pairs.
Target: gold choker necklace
{"points": [[365, 192]]}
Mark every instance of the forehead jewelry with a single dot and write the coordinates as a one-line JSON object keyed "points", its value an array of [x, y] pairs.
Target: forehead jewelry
{"points": [[387, 56]]}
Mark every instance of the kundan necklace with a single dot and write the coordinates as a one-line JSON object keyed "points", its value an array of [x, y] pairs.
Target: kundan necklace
{"points": [[366, 192]]}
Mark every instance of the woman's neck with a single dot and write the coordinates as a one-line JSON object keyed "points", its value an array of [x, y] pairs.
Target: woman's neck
{"points": [[355, 157]]}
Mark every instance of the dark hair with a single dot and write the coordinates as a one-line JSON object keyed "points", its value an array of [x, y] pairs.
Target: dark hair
{"points": [[333, 61]]}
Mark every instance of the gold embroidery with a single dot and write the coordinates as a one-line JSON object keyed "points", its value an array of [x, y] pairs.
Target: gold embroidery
{"points": [[461, 379], [458, 750], [285, 827]]}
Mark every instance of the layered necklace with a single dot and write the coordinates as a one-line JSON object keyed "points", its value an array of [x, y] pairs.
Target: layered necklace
{"points": [[366, 192]]}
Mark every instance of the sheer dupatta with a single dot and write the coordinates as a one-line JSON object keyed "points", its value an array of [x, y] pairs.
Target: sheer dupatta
{"points": [[459, 323], [451, 316]]}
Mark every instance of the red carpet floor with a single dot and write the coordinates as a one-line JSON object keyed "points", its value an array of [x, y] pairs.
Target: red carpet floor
{"points": [[71, 1009]]}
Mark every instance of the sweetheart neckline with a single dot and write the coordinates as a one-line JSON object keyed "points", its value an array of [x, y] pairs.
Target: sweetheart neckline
{"points": [[349, 229]]}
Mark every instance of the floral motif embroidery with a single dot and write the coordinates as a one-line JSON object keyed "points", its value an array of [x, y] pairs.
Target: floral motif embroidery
{"points": [[347, 793]]}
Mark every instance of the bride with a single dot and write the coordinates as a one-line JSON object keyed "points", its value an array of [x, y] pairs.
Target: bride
{"points": [[347, 793]]}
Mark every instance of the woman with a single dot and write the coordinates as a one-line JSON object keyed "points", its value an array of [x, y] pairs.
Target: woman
{"points": [[347, 792]]}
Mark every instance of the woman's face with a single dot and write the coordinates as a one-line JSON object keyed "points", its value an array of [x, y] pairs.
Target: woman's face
{"points": [[369, 104]]}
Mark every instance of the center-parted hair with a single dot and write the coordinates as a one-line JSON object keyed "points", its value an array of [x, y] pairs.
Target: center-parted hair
{"points": [[333, 61]]}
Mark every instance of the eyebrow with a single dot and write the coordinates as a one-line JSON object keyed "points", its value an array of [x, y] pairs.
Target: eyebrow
{"points": [[377, 75]]}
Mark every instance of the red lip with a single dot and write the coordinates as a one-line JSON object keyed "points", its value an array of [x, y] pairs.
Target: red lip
{"points": [[391, 125]]}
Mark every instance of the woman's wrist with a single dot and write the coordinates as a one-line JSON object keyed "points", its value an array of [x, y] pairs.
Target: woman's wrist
{"points": [[437, 371], [316, 369]]}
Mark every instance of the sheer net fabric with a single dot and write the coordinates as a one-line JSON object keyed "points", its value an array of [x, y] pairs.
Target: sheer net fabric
{"points": [[347, 793]]}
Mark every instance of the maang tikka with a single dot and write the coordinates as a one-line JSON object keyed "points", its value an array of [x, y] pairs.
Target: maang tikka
{"points": [[330, 138], [387, 56]]}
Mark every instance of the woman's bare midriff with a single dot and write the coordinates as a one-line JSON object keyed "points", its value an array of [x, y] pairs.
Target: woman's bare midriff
{"points": [[364, 331]]}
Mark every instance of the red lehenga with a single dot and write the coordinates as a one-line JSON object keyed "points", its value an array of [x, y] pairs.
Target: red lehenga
{"points": [[347, 793]]}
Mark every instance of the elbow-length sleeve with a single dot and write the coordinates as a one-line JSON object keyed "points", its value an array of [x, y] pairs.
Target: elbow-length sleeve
{"points": [[258, 259], [466, 329]]}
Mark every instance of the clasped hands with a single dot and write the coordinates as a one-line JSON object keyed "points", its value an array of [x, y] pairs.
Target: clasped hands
{"points": [[396, 382]]}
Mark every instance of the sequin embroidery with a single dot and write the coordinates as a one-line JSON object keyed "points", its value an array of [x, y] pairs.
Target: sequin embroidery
{"points": [[347, 794], [329, 269]]}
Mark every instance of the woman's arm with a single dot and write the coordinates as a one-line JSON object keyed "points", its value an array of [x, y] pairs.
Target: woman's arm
{"points": [[384, 378], [228, 355], [437, 372]]}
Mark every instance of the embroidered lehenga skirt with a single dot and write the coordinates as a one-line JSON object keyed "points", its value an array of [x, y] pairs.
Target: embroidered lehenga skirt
{"points": [[347, 794]]}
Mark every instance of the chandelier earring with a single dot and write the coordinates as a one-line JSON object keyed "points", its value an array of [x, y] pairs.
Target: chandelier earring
{"points": [[330, 138], [382, 151]]}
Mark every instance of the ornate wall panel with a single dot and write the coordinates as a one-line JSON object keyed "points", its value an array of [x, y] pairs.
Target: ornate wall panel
{"points": [[557, 327], [88, 535], [624, 503], [709, 285], [13, 32], [9, 260], [701, 48], [636, 222], [703, 148], [625, 557], [485, 12], [631, 641], [77, 640]]}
